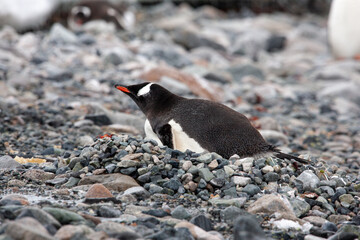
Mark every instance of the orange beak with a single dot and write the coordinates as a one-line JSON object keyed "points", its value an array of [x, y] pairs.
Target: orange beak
{"points": [[123, 89]]}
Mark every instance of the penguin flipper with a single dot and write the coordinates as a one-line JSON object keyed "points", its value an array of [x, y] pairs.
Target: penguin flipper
{"points": [[165, 135]]}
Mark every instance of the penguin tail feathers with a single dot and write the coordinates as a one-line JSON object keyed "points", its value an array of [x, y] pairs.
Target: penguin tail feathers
{"points": [[282, 155], [289, 157]]}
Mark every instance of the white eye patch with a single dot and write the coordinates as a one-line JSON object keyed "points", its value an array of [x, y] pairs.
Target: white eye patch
{"points": [[144, 90]]}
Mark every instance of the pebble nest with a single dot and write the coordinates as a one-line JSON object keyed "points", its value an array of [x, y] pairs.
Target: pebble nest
{"points": [[62, 177]]}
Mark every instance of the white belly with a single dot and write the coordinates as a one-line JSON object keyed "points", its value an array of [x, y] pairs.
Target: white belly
{"points": [[343, 28], [150, 133], [181, 141]]}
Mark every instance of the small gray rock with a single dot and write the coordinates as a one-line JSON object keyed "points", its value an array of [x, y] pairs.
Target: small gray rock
{"points": [[251, 189], [138, 192], [300, 207], [180, 213], [230, 213], [309, 180], [205, 174]]}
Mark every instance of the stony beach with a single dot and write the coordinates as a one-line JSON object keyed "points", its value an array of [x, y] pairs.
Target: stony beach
{"points": [[74, 162]]}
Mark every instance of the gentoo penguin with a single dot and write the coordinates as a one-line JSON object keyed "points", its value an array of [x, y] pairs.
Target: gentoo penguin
{"points": [[89, 10], [343, 28], [198, 125]]}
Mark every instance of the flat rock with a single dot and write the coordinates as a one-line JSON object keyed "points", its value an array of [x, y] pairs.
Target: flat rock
{"points": [[270, 204], [247, 227], [7, 162], [14, 199], [38, 174], [115, 182], [27, 228], [196, 232], [40, 215], [238, 202], [315, 220], [113, 228], [64, 216], [71, 231]]}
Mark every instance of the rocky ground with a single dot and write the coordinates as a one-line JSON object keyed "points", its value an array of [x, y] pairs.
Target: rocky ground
{"points": [[60, 180]]}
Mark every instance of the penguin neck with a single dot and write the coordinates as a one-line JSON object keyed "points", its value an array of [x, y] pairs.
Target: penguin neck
{"points": [[163, 105]]}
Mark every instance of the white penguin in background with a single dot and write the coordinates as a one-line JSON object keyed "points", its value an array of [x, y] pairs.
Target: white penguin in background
{"points": [[344, 28], [26, 14]]}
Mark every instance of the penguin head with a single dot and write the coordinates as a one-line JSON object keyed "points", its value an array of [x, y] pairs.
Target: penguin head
{"points": [[148, 96], [80, 14], [88, 10]]}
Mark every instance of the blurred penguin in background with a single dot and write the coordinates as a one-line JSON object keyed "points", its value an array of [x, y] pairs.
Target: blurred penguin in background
{"points": [[89, 10], [344, 29]]}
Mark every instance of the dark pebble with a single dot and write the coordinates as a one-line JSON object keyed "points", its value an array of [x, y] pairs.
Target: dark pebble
{"points": [[156, 213], [217, 182], [319, 232], [339, 191], [8, 202], [344, 236], [202, 222], [230, 192], [275, 43], [127, 171], [111, 167], [99, 120], [247, 227], [172, 184], [68, 145], [144, 178], [257, 173], [271, 177], [329, 226], [56, 181], [9, 211], [202, 184], [343, 211], [183, 234], [121, 235], [251, 189], [48, 151], [149, 222], [204, 195], [62, 170], [108, 212]]}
